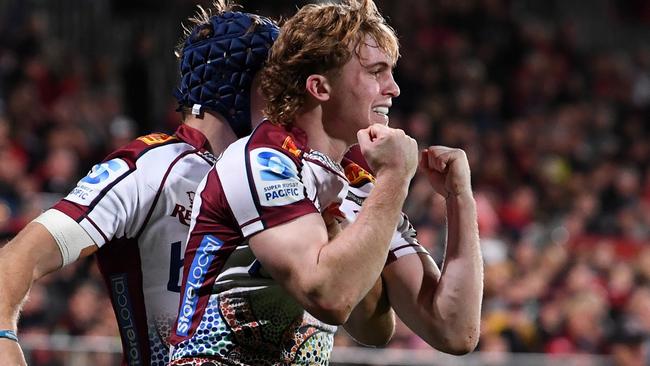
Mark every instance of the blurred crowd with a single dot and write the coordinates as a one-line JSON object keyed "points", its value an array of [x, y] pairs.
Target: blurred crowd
{"points": [[558, 138]]}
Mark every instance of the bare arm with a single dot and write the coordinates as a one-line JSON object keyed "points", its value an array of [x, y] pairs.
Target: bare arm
{"points": [[372, 322], [32, 254], [444, 309], [329, 277]]}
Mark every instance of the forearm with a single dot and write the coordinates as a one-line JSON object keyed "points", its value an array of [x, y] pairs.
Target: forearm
{"points": [[372, 322], [349, 265], [32, 254], [11, 352], [460, 289], [16, 277], [14, 286]]}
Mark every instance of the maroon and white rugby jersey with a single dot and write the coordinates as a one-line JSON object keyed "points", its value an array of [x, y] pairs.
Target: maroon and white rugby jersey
{"points": [[136, 205], [361, 182], [231, 311]]}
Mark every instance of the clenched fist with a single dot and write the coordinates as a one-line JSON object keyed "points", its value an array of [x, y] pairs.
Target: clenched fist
{"points": [[447, 170], [389, 150]]}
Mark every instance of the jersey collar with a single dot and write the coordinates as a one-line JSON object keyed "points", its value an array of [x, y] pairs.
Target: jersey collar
{"points": [[193, 137]]}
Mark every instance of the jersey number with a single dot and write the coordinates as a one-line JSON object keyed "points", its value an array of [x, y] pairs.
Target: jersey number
{"points": [[175, 268]]}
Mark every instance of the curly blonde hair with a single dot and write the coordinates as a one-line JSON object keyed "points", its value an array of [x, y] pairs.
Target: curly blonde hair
{"points": [[319, 39]]}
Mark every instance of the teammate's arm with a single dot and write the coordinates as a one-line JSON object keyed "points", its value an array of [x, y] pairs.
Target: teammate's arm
{"points": [[329, 277], [32, 254], [443, 309]]}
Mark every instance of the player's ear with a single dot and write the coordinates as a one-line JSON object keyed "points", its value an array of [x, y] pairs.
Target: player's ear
{"points": [[318, 86]]}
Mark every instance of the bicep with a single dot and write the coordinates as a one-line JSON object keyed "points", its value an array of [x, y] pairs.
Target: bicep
{"points": [[71, 239], [35, 250], [411, 283], [288, 251]]}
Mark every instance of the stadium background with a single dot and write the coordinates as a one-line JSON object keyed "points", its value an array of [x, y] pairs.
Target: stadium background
{"points": [[550, 99]]}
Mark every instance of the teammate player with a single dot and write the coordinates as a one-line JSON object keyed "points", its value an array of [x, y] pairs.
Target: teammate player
{"points": [[262, 279], [133, 208]]}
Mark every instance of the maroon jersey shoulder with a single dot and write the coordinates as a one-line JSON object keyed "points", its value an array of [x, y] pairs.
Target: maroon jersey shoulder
{"points": [[357, 170], [134, 149], [290, 140]]}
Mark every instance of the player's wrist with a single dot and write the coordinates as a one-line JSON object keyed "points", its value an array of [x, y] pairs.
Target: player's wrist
{"points": [[396, 186], [460, 194], [457, 189], [459, 200], [393, 178], [7, 321]]}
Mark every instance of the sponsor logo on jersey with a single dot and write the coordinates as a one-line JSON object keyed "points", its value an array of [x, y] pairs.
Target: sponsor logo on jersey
{"points": [[125, 317], [101, 172], [358, 200], [276, 178], [203, 258], [357, 175], [99, 177], [155, 138], [184, 214], [275, 166]]}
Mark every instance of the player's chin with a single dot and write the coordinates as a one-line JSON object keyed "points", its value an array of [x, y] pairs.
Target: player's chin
{"points": [[380, 119]]}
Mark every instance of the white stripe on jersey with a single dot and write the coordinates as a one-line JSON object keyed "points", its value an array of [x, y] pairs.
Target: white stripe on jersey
{"points": [[93, 230], [234, 179]]}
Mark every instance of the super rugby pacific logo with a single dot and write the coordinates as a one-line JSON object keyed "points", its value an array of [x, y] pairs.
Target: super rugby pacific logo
{"points": [[101, 172], [276, 177], [276, 166], [100, 176]]}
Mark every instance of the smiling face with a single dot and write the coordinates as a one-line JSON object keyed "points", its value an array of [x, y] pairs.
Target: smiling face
{"points": [[361, 92]]}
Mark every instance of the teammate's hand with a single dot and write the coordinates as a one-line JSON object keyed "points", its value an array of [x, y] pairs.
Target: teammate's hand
{"points": [[447, 170], [389, 150]]}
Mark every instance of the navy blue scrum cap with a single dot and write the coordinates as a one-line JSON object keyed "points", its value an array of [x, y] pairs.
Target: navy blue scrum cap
{"points": [[217, 71]]}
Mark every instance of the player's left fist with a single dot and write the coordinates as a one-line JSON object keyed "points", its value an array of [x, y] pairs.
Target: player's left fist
{"points": [[447, 169]]}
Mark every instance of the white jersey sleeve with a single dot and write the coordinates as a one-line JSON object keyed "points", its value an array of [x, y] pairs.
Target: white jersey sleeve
{"points": [[111, 201], [116, 198]]}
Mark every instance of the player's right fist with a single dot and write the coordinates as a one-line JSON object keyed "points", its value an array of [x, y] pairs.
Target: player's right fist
{"points": [[447, 170], [389, 150]]}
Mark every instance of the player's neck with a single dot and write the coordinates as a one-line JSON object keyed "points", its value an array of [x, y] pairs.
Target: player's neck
{"points": [[319, 139], [215, 129]]}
